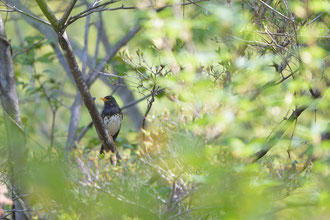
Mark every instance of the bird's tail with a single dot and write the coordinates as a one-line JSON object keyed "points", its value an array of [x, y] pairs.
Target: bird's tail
{"points": [[102, 149], [113, 158]]}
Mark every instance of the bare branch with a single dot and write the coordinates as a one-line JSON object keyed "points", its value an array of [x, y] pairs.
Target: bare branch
{"points": [[125, 94], [273, 139], [67, 13], [101, 7], [13, 122], [90, 11], [53, 109], [274, 10], [317, 17], [27, 49], [150, 102], [79, 79], [99, 36], [46, 30], [123, 41], [14, 8], [76, 106], [59, 101], [6, 10], [159, 91], [169, 205], [84, 91], [84, 58], [84, 131], [86, 12], [49, 14]]}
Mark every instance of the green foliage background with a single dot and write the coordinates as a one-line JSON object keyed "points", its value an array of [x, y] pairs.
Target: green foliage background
{"points": [[224, 98]]}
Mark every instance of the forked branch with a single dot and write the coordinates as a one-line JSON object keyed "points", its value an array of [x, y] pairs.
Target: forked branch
{"points": [[77, 75]]}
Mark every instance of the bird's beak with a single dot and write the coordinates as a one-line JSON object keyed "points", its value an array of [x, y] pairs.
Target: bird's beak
{"points": [[103, 99]]}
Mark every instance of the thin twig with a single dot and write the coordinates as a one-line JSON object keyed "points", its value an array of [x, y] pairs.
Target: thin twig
{"points": [[78, 77], [170, 201], [84, 131], [141, 99], [317, 17], [53, 109], [6, 10], [289, 148], [86, 12], [198, 5], [27, 49], [99, 8], [25, 13], [273, 139], [150, 102], [75, 18], [67, 13], [100, 33], [274, 10], [123, 41], [59, 101], [85, 50]]}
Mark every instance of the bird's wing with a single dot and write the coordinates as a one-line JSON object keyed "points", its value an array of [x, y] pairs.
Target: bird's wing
{"points": [[115, 136]]}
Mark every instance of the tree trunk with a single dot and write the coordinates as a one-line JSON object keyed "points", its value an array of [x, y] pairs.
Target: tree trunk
{"points": [[13, 123]]}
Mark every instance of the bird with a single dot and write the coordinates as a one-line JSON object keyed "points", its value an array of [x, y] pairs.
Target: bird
{"points": [[112, 117]]}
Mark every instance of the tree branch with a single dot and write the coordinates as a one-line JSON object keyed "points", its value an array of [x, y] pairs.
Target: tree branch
{"points": [[14, 8], [28, 48], [159, 91], [274, 10], [52, 108], [84, 92], [79, 79], [124, 92], [87, 12], [101, 7], [84, 131], [67, 13], [153, 93], [273, 139], [49, 15], [123, 41], [91, 63], [15, 133]]}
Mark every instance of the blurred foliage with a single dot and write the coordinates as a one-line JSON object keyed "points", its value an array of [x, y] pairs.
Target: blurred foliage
{"points": [[234, 72]]}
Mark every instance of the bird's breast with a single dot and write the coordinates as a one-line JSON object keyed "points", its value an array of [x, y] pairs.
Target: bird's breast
{"points": [[113, 123]]}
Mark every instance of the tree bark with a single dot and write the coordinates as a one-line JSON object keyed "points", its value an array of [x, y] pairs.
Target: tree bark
{"points": [[84, 92], [13, 123]]}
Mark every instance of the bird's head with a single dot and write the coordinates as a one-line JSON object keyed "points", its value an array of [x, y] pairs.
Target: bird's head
{"points": [[109, 100]]}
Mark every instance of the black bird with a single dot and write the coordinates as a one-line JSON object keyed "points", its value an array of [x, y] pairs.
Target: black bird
{"points": [[112, 117]]}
